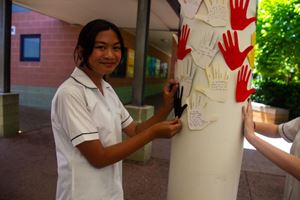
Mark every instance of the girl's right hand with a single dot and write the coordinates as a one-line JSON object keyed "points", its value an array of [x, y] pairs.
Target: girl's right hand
{"points": [[166, 129]]}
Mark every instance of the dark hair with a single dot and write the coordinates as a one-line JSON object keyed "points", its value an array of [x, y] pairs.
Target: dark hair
{"points": [[87, 37]]}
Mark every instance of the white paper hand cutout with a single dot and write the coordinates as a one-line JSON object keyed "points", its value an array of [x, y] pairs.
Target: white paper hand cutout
{"points": [[217, 13], [185, 74], [189, 8], [197, 119], [217, 83], [205, 49]]}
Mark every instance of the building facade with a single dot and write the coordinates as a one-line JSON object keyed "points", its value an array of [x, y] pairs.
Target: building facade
{"points": [[42, 58]]}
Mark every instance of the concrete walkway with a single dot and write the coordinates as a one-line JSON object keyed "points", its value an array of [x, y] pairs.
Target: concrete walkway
{"points": [[28, 167]]}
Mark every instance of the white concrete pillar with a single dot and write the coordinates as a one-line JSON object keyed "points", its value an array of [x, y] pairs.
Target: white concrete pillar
{"points": [[206, 156]]}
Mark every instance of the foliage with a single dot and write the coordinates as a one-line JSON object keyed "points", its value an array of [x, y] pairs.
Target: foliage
{"points": [[279, 94], [278, 40], [277, 72]]}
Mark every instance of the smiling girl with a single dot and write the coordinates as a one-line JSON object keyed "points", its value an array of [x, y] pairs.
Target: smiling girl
{"points": [[88, 119]]}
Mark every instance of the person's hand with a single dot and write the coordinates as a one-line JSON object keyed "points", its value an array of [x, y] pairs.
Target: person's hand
{"points": [[178, 108], [238, 16], [233, 57], [169, 91], [166, 129], [248, 121]]}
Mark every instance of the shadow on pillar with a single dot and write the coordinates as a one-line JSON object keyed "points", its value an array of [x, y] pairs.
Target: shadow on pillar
{"points": [[9, 114]]}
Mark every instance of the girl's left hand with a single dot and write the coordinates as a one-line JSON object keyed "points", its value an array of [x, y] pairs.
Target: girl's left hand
{"points": [[248, 121]]}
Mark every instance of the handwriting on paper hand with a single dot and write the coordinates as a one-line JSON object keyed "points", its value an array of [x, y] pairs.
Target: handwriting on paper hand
{"points": [[197, 117], [205, 49], [216, 15], [178, 109], [218, 77], [242, 92], [184, 35], [189, 8], [234, 58], [238, 16], [185, 74]]}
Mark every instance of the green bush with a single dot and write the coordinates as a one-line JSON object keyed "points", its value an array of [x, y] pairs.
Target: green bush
{"points": [[279, 94], [277, 65], [278, 40]]}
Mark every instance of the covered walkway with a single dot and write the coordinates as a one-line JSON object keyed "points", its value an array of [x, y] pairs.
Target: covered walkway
{"points": [[28, 167]]}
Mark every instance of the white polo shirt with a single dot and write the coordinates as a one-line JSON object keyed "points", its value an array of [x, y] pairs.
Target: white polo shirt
{"points": [[81, 113], [290, 131]]}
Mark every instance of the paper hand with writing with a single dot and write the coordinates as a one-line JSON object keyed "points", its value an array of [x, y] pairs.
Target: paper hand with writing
{"points": [[185, 74], [217, 83], [189, 8], [233, 57], [205, 48], [182, 51], [238, 14], [197, 118], [242, 92], [217, 13]]}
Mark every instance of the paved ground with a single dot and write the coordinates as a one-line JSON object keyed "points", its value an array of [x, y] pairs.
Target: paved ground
{"points": [[28, 167]]}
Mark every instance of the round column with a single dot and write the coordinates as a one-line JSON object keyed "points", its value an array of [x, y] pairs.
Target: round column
{"points": [[206, 156]]}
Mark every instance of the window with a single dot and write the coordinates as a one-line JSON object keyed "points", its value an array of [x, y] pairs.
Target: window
{"points": [[16, 8], [30, 47], [120, 70]]}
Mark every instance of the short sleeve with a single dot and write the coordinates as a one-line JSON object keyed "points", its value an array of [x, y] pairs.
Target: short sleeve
{"points": [[75, 117], [289, 130], [126, 119]]}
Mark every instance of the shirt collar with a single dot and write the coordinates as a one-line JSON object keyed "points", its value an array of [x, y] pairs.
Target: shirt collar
{"points": [[79, 76]]}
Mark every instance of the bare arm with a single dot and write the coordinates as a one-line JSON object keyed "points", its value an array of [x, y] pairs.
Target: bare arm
{"points": [[161, 114], [267, 129], [140, 134], [285, 161], [100, 156]]}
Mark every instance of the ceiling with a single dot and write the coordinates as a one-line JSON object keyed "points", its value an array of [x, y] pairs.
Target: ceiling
{"points": [[163, 19]]}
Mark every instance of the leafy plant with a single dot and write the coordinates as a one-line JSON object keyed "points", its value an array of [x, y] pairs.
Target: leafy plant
{"points": [[278, 40], [277, 65]]}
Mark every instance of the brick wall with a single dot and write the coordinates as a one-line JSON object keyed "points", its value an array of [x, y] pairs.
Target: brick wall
{"points": [[58, 40], [36, 82]]}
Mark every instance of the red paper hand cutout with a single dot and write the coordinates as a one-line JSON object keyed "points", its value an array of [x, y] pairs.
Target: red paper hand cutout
{"points": [[181, 50], [242, 93], [238, 17], [234, 58]]}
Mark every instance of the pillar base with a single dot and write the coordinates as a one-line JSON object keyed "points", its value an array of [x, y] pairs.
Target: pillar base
{"points": [[9, 114], [140, 114]]}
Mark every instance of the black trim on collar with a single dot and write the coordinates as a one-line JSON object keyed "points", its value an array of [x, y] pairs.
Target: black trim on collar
{"points": [[82, 83]]}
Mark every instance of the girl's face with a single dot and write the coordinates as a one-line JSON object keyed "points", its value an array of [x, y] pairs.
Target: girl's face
{"points": [[106, 54]]}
